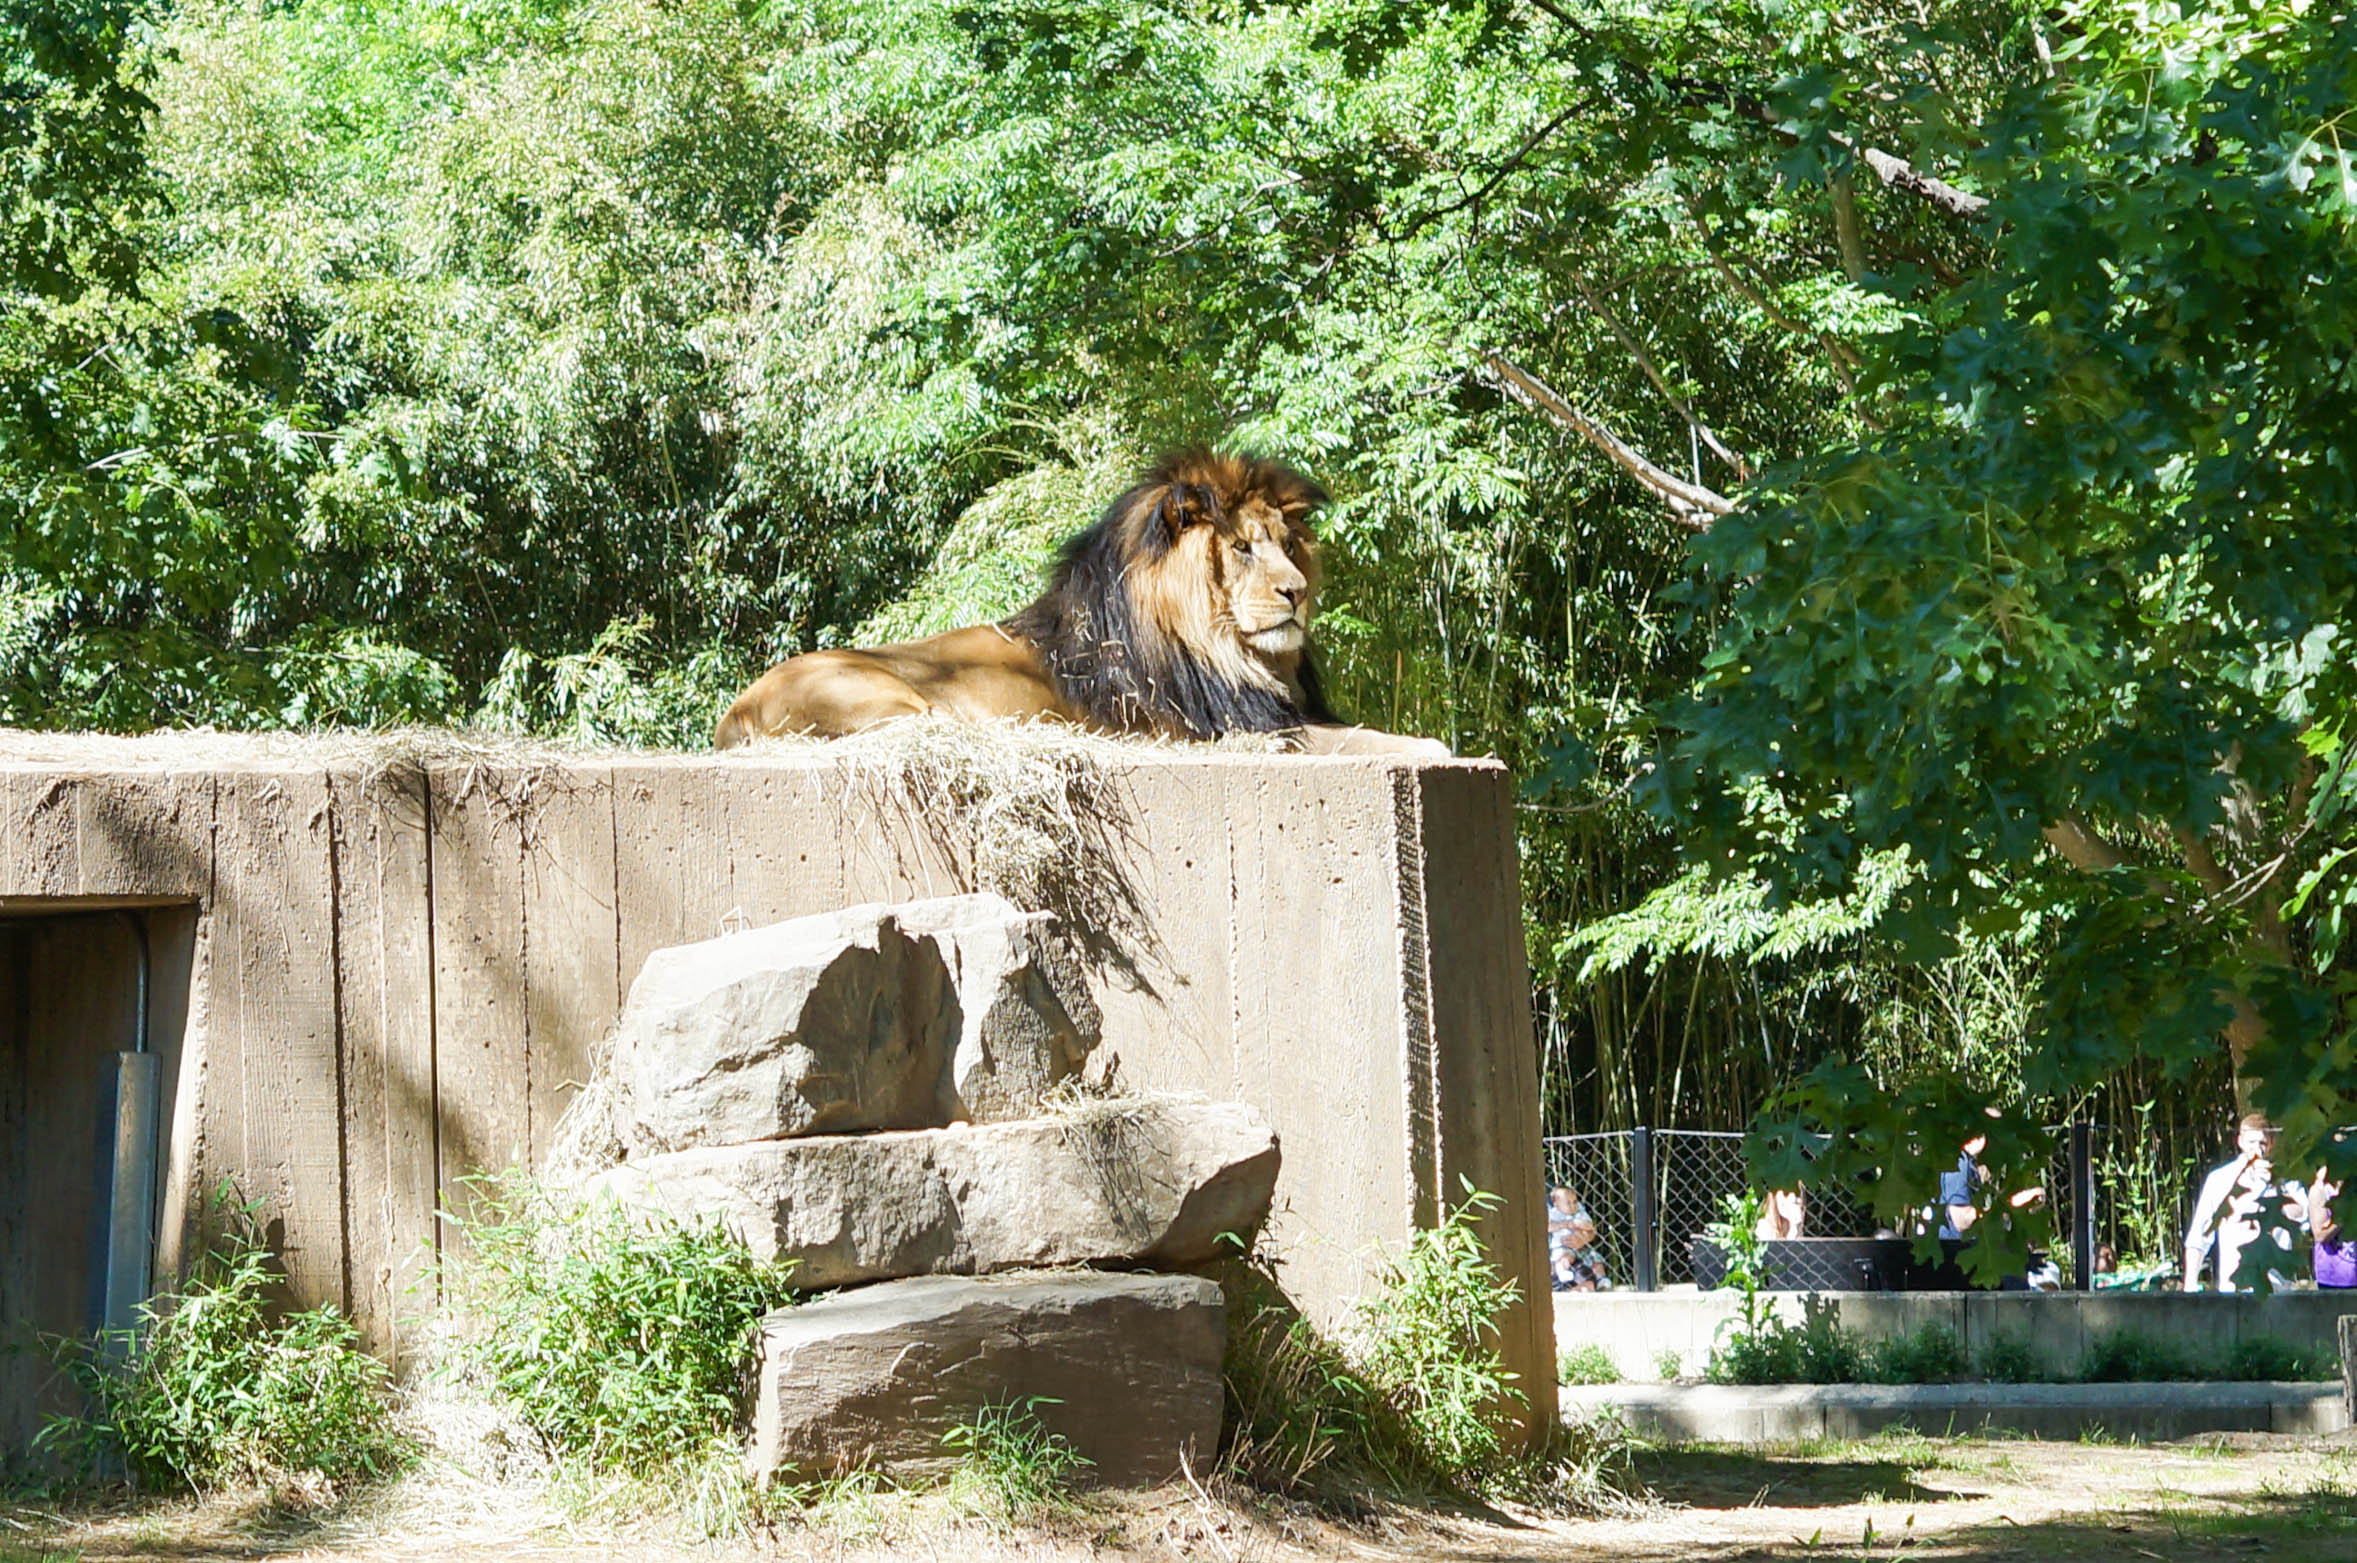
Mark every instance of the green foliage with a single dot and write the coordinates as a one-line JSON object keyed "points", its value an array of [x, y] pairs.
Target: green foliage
{"points": [[2270, 1357], [1757, 1346], [2011, 1359], [1427, 1340], [620, 1341], [2081, 596], [1011, 1464], [1413, 1402], [218, 1386], [1588, 1364], [2129, 1356], [1930, 1354]]}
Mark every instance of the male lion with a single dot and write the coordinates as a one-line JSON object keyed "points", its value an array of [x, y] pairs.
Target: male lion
{"points": [[1182, 613]]}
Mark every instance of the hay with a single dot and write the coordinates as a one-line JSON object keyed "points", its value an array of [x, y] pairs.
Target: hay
{"points": [[1033, 811]]}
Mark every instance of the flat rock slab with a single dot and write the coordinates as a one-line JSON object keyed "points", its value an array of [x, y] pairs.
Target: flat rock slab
{"points": [[873, 1017], [1125, 1366], [1784, 1413], [1148, 1183]]}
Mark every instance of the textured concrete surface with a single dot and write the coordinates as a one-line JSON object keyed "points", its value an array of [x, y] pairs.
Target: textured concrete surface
{"points": [[1637, 1329], [405, 953], [1783, 1413]]}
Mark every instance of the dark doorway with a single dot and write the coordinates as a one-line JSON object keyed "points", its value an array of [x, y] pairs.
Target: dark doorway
{"points": [[69, 1002]]}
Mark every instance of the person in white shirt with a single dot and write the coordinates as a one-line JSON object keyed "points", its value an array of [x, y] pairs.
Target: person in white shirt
{"points": [[2238, 1201]]}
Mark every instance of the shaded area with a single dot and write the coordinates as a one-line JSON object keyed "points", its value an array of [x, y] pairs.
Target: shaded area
{"points": [[1732, 1479]]}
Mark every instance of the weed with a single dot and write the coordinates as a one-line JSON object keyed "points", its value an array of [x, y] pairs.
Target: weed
{"points": [[1930, 1355], [617, 1338], [1670, 1365], [2271, 1357], [1413, 1403], [1009, 1463], [2011, 1359], [12, 1553], [215, 1389], [2127, 1356], [1588, 1364], [1427, 1341]]}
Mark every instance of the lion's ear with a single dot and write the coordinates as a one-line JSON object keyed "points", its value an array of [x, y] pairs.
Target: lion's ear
{"points": [[1183, 505]]}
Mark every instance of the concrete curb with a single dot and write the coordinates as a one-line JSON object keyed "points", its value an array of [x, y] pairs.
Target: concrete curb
{"points": [[1784, 1413]]}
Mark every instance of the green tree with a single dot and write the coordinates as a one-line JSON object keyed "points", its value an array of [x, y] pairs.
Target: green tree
{"points": [[2069, 629]]}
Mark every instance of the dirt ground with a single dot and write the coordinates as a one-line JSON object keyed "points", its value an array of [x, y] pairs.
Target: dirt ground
{"points": [[2238, 1497]]}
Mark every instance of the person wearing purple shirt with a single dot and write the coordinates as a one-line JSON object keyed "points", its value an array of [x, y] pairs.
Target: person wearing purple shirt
{"points": [[2335, 1256]]}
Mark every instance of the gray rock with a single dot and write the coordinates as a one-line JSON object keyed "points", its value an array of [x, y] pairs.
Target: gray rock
{"points": [[1137, 1183], [874, 1017], [1125, 1366], [1027, 1021]]}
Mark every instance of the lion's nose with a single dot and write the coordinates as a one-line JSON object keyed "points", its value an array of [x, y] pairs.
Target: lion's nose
{"points": [[1294, 594]]}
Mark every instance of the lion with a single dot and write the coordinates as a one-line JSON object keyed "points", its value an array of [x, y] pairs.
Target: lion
{"points": [[1183, 613]]}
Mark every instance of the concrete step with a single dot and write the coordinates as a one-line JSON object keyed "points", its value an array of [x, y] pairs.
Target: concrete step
{"points": [[1784, 1413]]}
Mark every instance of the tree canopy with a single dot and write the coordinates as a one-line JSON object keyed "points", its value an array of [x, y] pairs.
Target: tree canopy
{"points": [[1885, 454]]}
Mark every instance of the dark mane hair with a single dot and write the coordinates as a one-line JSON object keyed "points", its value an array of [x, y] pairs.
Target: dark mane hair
{"points": [[1108, 651]]}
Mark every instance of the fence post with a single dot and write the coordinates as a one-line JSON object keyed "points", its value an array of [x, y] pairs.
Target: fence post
{"points": [[2083, 1204], [1641, 1205]]}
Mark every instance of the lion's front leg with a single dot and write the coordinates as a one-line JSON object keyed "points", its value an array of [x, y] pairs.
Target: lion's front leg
{"points": [[1335, 738]]}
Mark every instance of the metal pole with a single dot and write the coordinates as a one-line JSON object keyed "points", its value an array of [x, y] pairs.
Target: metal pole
{"points": [[1641, 1206], [2083, 1204], [130, 1226]]}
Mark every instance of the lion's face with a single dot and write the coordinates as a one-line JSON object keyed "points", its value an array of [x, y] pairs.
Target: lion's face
{"points": [[1236, 585], [1268, 571]]}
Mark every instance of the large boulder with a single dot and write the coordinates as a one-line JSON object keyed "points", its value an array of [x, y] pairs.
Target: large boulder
{"points": [[1125, 1366], [1118, 1183], [874, 1017]]}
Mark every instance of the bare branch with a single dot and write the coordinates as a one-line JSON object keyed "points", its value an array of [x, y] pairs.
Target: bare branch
{"points": [[2082, 848], [1848, 233], [1644, 359], [1693, 505]]}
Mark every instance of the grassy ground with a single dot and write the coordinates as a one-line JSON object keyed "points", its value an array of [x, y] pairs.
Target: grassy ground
{"points": [[1971, 1501]]}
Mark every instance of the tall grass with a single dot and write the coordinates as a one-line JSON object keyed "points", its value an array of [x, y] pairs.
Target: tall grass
{"points": [[619, 1338]]}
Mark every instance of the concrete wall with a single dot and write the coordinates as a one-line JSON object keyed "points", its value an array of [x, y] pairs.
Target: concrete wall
{"points": [[401, 962], [1638, 1328]]}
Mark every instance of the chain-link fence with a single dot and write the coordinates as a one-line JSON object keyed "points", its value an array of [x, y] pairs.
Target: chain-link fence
{"points": [[1651, 1193]]}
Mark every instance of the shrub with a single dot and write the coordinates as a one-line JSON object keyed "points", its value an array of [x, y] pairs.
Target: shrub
{"points": [[2126, 1356], [2011, 1359], [1427, 1343], [1411, 1404], [1931, 1354], [620, 1339], [2270, 1357], [1011, 1462], [217, 1388], [1588, 1364]]}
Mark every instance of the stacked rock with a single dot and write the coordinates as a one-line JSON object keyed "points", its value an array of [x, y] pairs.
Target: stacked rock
{"points": [[865, 1093]]}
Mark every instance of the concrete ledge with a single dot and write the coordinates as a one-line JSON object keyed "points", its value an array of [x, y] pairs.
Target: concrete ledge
{"points": [[1639, 1329], [1785, 1413]]}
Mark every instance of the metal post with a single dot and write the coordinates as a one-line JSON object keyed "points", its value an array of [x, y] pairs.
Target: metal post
{"points": [[1641, 1206], [2083, 1204]]}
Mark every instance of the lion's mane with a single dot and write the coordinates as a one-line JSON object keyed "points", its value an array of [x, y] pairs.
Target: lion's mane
{"points": [[1115, 627]]}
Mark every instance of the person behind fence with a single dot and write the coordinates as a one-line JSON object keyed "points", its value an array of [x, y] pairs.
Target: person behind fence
{"points": [[1585, 1260], [1783, 1214], [2334, 1256], [2238, 1202], [1563, 1211], [1957, 1212]]}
